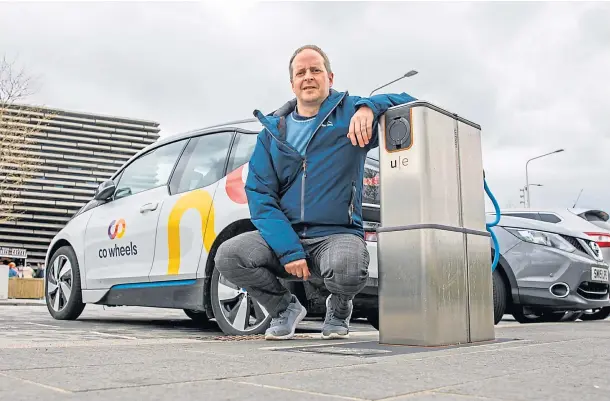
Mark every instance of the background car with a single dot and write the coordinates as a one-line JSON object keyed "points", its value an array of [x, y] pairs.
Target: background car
{"points": [[592, 222], [149, 236], [546, 270]]}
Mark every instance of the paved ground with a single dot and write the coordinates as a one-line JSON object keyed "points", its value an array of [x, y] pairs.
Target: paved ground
{"points": [[141, 353]]}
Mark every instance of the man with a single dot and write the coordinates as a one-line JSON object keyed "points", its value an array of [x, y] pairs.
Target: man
{"points": [[304, 190]]}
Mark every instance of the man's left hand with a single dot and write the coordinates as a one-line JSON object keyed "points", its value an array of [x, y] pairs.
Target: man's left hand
{"points": [[361, 126]]}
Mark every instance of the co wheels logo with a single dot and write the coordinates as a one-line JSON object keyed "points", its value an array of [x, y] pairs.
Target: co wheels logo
{"points": [[116, 229]]}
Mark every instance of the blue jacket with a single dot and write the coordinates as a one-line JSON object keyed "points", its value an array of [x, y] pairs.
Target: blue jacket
{"points": [[292, 197]]}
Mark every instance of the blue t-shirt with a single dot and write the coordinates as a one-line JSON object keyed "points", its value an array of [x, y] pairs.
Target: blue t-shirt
{"points": [[298, 130]]}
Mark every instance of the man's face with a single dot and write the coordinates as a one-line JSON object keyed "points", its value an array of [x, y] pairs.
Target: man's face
{"points": [[310, 80]]}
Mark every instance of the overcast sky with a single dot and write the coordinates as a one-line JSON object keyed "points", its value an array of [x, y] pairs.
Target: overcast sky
{"points": [[536, 76]]}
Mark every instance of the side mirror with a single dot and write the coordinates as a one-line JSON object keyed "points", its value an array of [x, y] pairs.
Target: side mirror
{"points": [[105, 190]]}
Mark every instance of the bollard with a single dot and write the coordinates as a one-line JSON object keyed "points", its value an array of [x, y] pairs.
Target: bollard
{"points": [[3, 282], [434, 253]]}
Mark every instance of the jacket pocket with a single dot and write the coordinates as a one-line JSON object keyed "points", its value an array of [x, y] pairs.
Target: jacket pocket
{"points": [[350, 208]]}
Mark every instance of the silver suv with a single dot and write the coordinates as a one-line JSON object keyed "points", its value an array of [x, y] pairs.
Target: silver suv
{"points": [[546, 271]]}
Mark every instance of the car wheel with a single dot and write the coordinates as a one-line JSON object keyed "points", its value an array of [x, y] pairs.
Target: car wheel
{"points": [[235, 311], [499, 296], [596, 314], [62, 285], [199, 317]]}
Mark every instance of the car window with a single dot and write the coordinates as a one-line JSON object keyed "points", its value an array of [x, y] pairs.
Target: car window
{"points": [[595, 216], [531, 216], [549, 218], [370, 192], [149, 171], [203, 162], [242, 150]]}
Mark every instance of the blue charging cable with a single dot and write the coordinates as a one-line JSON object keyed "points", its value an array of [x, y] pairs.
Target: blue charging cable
{"points": [[489, 225]]}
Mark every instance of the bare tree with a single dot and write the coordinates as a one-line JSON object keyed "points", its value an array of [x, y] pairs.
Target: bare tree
{"points": [[19, 125]]}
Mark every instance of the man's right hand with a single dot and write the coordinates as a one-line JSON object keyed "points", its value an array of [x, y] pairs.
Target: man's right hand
{"points": [[298, 268]]}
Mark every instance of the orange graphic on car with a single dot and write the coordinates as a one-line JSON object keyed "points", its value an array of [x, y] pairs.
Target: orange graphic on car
{"points": [[236, 188], [116, 229], [202, 201]]}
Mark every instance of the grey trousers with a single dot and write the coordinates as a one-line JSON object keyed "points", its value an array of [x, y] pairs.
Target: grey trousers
{"points": [[340, 261]]}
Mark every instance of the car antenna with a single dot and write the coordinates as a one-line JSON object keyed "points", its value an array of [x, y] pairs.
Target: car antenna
{"points": [[577, 199]]}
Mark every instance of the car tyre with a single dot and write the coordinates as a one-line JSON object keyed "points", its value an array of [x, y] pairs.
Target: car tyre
{"points": [[499, 296], [599, 314], [230, 304], [62, 289], [198, 317]]}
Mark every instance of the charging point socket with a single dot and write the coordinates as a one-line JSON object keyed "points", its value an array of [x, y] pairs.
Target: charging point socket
{"points": [[399, 134]]}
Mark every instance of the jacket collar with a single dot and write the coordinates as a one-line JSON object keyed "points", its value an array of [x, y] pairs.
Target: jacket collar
{"points": [[273, 121]]}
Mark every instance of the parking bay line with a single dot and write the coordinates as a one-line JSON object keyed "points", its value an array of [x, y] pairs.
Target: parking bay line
{"points": [[56, 389]]}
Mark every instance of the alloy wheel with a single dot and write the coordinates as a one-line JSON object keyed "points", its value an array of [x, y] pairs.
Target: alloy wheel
{"points": [[59, 283], [239, 309]]}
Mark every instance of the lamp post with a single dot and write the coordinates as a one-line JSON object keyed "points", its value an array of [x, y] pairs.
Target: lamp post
{"points": [[527, 184], [407, 75]]}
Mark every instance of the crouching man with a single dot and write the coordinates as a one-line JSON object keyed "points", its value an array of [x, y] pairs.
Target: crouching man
{"points": [[304, 190]]}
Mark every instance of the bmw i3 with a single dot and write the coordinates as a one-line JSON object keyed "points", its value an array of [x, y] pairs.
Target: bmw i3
{"points": [[149, 235]]}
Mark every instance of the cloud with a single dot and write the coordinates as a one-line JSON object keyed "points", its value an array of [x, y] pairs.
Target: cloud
{"points": [[534, 75]]}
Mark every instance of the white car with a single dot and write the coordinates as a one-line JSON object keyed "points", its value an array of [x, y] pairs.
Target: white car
{"points": [[149, 236], [592, 222]]}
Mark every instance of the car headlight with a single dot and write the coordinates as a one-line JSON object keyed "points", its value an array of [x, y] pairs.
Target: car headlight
{"points": [[542, 238]]}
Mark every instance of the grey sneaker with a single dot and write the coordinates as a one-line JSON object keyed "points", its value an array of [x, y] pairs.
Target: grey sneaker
{"points": [[283, 326], [334, 327]]}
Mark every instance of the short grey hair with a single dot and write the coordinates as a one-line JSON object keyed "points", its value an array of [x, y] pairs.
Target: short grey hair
{"points": [[311, 47]]}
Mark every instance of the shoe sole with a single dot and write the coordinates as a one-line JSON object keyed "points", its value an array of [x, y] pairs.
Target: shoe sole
{"points": [[335, 336], [288, 336]]}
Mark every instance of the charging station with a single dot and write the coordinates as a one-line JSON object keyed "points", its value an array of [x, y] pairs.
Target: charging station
{"points": [[434, 253]]}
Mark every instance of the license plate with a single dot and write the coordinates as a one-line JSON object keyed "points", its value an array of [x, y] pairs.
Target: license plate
{"points": [[599, 274]]}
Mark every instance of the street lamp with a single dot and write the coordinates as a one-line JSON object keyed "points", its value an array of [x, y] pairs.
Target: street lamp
{"points": [[407, 75], [527, 184]]}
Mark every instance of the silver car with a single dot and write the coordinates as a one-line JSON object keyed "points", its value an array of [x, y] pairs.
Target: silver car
{"points": [[592, 222], [546, 271]]}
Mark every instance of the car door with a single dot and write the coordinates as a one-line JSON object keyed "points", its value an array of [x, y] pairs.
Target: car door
{"points": [[185, 230], [120, 235]]}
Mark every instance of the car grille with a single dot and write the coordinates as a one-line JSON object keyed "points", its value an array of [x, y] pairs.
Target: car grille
{"points": [[575, 243], [593, 291]]}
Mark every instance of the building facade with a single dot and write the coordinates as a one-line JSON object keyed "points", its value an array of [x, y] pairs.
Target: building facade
{"points": [[74, 152]]}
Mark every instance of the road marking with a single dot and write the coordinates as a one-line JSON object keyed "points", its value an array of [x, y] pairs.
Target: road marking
{"points": [[68, 343], [113, 335], [296, 391], [57, 389], [43, 325]]}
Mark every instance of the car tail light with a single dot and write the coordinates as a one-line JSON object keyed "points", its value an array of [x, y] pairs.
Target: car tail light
{"points": [[602, 239], [370, 231]]}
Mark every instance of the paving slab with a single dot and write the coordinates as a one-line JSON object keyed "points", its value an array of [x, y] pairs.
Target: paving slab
{"points": [[144, 353]]}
